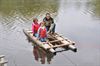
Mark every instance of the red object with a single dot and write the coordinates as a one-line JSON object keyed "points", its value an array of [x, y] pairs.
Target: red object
{"points": [[35, 52], [35, 27], [43, 32]]}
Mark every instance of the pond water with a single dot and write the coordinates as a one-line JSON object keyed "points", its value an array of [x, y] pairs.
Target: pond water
{"points": [[77, 20]]}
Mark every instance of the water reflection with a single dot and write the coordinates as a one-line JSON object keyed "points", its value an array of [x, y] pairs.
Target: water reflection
{"points": [[42, 55], [96, 7], [27, 7]]}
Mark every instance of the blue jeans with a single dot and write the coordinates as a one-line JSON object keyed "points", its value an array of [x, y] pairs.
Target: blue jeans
{"points": [[35, 34], [47, 27], [43, 39]]}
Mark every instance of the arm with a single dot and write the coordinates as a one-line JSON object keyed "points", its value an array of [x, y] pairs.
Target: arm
{"points": [[51, 25], [44, 19], [52, 20], [33, 28], [38, 33], [46, 34]]}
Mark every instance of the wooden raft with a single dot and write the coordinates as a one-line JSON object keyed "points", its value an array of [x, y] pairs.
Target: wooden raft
{"points": [[53, 41]]}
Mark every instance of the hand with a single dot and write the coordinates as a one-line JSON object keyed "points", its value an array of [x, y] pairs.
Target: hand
{"points": [[47, 41], [48, 31], [37, 38]]}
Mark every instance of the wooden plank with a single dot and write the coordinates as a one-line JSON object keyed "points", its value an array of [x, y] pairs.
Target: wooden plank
{"points": [[58, 46], [54, 41], [29, 31], [70, 41], [49, 36], [50, 44], [64, 41]]}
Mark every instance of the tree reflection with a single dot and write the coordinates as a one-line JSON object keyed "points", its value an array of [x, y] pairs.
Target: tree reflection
{"points": [[27, 7], [96, 8]]}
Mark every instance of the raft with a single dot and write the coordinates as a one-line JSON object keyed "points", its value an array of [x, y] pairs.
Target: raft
{"points": [[53, 41]]}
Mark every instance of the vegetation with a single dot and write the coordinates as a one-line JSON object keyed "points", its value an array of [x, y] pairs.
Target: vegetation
{"points": [[27, 7], [96, 8]]}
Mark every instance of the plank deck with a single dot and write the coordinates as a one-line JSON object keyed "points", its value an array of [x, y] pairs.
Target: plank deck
{"points": [[53, 41]]}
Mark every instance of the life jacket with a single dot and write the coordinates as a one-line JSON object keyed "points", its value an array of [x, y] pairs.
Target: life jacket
{"points": [[36, 27], [42, 33]]}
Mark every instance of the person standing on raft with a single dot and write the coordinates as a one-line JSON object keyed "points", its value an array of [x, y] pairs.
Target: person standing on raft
{"points": [[50, 25]]}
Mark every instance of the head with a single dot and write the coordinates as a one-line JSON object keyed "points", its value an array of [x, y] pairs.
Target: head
{"points": [[48, 15], [42, 24], [35, 20]]}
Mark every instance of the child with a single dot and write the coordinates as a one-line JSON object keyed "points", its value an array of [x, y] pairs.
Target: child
{"points": [[42, 32], [35, 26]]}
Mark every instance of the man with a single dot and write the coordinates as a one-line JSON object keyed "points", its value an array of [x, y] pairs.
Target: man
{"points": [[50, 25]]}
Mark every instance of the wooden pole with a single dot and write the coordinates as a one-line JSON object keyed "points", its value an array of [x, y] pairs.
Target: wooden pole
{"points": [[72, 48], [58, 46], [2, 61]]}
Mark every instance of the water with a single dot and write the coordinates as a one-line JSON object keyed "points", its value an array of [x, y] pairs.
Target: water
{"points": [[77, 20]]}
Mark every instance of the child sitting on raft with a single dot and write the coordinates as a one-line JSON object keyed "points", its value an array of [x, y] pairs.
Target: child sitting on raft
{"points": [[42, 32]]}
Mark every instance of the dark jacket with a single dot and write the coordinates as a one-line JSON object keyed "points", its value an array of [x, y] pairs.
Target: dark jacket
{"points": [[48, 21]]}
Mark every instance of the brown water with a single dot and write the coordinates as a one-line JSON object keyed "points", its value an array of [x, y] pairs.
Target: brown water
{"points": [[77, 20]]}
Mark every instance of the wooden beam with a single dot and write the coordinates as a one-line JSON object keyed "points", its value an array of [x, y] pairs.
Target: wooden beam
{"points": [[58, 46], [29, 31], [54, 41], [49, 36], [50, 44]]}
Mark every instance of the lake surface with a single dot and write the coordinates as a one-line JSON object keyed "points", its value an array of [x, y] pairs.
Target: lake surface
{"points": [[78, 20]]}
